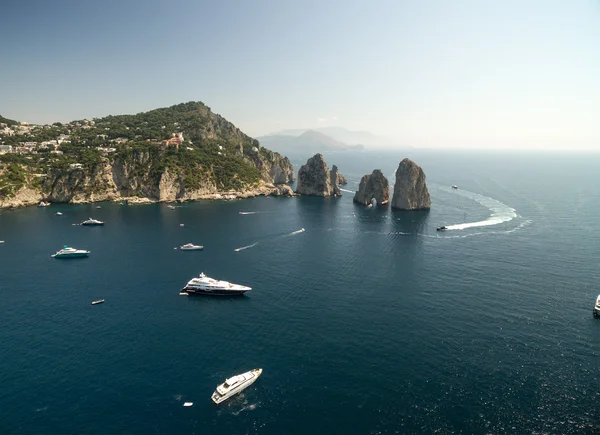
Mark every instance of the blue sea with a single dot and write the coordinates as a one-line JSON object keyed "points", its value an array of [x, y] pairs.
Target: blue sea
{"points": [[368, 322]]}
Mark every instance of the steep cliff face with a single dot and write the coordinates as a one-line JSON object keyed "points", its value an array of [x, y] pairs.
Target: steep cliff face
{"points": [[373, 186], [410, 190], [273, 167], [314, 178], [334, 177]]}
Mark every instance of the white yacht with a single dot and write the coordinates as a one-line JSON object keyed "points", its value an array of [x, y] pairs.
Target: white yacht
{"points": [[597, 307], [91, 222], [203, 285], [191, 247], [234, 385], [67, 252]]}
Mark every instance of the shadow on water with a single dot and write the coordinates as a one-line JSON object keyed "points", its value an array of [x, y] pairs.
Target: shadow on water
{"points": [[410, 221]]}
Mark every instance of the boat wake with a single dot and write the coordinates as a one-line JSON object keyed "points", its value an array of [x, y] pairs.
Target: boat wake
{"points": [[301, 230], [248, 212], [346, 190], [500, 212], [245, 247]]}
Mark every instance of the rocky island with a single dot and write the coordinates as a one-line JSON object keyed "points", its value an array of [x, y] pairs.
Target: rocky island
{"points": [[315, 178], [180, 153], [410, 190], [373, 187]]}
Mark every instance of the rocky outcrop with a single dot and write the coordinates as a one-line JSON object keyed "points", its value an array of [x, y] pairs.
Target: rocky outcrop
{"points": [[410, 190], [342, 180], [314, 178], [274, 168], [334, 178], [374, 186]]}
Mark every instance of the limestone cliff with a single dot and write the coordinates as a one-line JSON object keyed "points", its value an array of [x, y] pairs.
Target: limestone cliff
{"points": [[342, 180], [334, 177], [314, 178], [373, 186], [410, 190]]}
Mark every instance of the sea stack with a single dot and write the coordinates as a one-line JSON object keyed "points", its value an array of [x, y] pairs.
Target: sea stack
{"points": [[410, 190], [314, 178], [334, 178], [374, 186]]}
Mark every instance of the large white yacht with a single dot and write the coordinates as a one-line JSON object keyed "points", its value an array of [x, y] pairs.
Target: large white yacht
{"points": [[203, 285], [234, 385], [91, 221], [597, 307]]}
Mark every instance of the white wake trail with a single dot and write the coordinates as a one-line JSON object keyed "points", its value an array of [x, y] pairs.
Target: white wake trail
{"points": [[346, 190], [248, 212], [500, 212], [245, 247]]}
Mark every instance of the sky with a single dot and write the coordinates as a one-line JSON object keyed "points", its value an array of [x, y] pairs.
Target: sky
{"points": [[429, 73]]}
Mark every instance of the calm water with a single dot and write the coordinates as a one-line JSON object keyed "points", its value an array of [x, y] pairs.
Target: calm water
{"points": [[369, 322]]}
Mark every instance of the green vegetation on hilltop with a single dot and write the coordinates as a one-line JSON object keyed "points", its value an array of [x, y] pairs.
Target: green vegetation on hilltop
{"points": [[213, 152], [7, 121]]}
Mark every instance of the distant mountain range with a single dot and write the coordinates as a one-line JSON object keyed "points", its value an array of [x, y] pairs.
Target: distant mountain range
{"points": [[321, 140]]}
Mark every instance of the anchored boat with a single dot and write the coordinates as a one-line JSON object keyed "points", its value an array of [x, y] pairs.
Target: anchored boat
{"points": [[203, 285], [68, 252], [234, 385]]}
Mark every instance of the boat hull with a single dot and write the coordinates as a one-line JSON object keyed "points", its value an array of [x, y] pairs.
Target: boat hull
{"points": [[215, 292], [92, 225], [66, 256]]}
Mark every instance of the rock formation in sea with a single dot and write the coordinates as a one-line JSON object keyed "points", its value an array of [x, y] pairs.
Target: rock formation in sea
{"points": [[334, 177], [314, 178], [410, 190], [342, 179], [373, 186]]}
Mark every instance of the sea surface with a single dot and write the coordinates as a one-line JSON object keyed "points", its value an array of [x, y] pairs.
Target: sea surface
{"points": [[368, 322]]}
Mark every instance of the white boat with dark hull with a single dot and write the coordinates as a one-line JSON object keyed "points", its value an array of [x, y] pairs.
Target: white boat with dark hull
{"points": [[191, 247], [68, 252], [92, 222], [203, 285], [596, 311], [234, 385]]}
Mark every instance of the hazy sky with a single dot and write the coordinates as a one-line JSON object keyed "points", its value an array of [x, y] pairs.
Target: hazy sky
{"points": [[432, 73]]}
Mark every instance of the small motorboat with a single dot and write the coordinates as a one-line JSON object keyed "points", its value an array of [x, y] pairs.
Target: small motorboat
{"points": [[454, 186], [191, 247], [99, 301], [58, 213], [234, 385], [43, 204], [442, 228], [98, 206], [92, 222], [596, 311], [172, 207]]}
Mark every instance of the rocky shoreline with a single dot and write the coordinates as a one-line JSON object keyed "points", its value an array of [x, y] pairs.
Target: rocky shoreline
{"points": [[27, 197]]}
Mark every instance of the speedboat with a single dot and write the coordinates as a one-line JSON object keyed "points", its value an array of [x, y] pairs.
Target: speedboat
{"points": [[597, 307], [454, 186], [203, 285], [442, 228], [234, 385], [99, 301], [67, 252], [58, 213], [191, 247], [91, 222]]}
